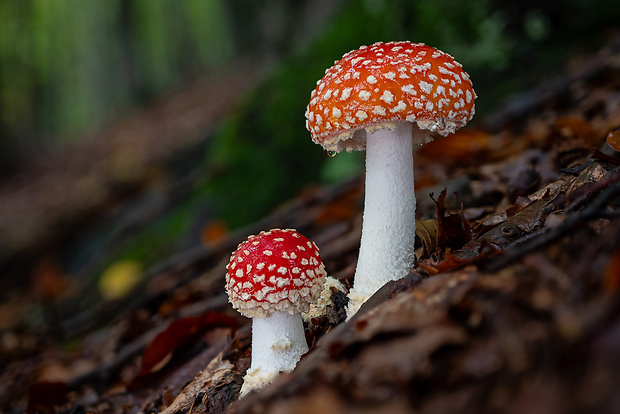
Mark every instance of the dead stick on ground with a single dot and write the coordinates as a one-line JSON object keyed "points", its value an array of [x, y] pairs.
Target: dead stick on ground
{"points": [[106, 369], [542, 238]]}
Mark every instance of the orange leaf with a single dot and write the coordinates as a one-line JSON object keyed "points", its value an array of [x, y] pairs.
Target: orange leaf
{"points": [[571, 127], [49, 281], [462, 145], [343, 208], [213, 231]]}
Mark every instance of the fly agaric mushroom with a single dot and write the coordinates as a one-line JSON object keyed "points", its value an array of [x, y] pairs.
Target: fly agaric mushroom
{"points": [[273, 277], [384, 98]]}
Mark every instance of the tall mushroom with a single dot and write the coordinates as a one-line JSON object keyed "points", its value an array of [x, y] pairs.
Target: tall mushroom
{"points": [[384, 98], [273, 277]]}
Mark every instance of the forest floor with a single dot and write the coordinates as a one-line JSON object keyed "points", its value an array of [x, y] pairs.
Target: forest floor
{"points": [[514, 305]]}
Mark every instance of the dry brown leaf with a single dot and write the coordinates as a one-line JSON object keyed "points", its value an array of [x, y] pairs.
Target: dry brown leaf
{"points": [[426, 231]]}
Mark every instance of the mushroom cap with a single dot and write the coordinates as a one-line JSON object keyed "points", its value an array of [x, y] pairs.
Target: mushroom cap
{"points": [[275, 271], [375, 86]]}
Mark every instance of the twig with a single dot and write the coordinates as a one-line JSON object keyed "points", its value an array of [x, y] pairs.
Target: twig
{"points": [[542, 238], [107, 369]]}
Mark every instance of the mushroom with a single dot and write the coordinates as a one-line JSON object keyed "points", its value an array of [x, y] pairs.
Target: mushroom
{"points": [[273, 277], [384, 98]]}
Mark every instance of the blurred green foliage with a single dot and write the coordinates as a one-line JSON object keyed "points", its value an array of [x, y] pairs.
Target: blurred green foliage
{"points": [[263, 155], [69, 66]]}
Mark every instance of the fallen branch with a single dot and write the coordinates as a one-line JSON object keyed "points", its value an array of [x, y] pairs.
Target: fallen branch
{"points": [[542, 238]]}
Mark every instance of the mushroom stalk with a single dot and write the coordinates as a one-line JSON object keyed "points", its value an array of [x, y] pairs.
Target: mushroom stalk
{"points": [[278, 342], [384, 98], [388, 229], [272, 277]]}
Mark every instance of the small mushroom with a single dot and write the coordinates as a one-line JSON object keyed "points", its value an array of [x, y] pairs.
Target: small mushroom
{"points": [[273, 277], [384, 98]]}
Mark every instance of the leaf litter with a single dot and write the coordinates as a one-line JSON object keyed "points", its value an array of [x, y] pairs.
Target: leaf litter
{"points": [[512, 306]]}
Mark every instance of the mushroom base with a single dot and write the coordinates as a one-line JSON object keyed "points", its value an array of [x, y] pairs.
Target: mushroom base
{"points": [[356, 300], [278, 342], [319, 308]]}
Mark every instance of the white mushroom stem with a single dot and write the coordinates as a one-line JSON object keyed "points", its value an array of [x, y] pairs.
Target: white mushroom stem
{"points": [[388, 229], [278, 342]]}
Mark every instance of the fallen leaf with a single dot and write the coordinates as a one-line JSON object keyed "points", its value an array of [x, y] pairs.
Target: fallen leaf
{"points": [[574, 127], [526, 182], [49, 281], [119, 278], [45, 397], [213, 231], [161, 349], [611, 275], [453, 230], [463, 145], [343, 208], [426, 231]]}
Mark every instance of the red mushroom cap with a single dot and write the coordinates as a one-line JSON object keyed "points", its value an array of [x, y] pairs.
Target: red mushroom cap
{"points": [[274, 271], [376, 85]]}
